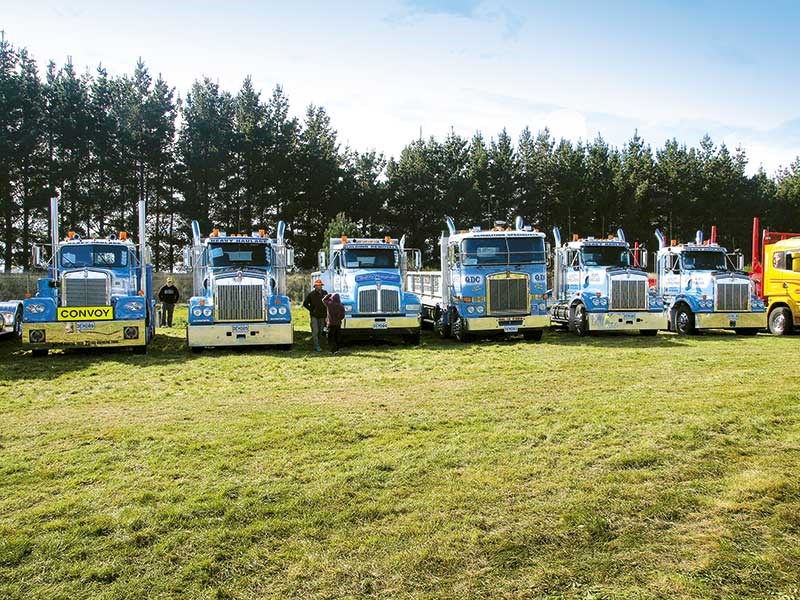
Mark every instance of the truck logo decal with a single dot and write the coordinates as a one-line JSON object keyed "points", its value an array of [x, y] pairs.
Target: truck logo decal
{"points": [[85, 313], [473, 279]]}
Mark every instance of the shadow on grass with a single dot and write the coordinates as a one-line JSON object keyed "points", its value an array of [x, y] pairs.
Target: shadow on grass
{"points": [[169, 347]]}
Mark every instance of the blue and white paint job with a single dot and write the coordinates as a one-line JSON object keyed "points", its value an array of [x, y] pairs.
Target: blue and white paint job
{"points": [[602, 285], [490, 282], [98, 292], [369, 276], [239, 290], [703, 287]]}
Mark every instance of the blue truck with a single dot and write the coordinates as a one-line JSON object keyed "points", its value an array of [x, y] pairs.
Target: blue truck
{"points": [[602, 285], [239, 290], [369, 276], [98, 292], [704, 287], [490, 282]]}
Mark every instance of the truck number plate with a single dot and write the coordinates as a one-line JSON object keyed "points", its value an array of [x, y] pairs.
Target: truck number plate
{"points": [[86, 326], [511, 328], [733, 317], [380, 325], [241, 328]]}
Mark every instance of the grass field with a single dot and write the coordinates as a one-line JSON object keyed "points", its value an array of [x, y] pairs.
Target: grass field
{"points": [[610, 467]]}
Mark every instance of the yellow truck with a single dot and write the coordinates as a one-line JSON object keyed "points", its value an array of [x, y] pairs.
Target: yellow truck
{"points": [[776, 273]]}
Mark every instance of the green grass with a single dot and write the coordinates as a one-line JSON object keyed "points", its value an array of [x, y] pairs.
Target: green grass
{"points": [[610, 467]]}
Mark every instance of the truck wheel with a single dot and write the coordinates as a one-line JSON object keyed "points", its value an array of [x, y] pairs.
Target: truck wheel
{"points": [[780, 321], [648, 332], [533, 336], [442, 329], [459, 331], [578, 322], [684, 320], [18, 325], [39, 352], [746, 331]]}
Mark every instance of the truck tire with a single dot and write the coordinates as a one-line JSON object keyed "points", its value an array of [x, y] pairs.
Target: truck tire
{"points": [[18, 325], [533, 336], [578, 323], [459, 331], [780, 321], [684, 320]]}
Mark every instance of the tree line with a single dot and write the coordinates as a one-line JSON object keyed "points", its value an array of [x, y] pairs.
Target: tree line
{"points": [[241, 161]]}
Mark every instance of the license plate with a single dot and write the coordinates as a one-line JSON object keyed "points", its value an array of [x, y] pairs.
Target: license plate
{"points": [[733, 317], [511, 328], [380, 325], [241, 328], [86, 326]]}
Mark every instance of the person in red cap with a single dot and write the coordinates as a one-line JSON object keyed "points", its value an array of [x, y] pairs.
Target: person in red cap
{"points": [[317, 311]]}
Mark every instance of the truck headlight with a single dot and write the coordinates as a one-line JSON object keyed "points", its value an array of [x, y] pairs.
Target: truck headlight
{"points": [[282, 310], [8, 318], [604, 301], [480, 308], [348, 308], [197, 312], [595, 301], [412, 307], [134, 306], [470, 309], [207, 312], [542, 307], [273, 311], [34, 308]]}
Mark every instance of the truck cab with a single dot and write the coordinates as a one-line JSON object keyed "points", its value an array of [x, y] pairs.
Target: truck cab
{"points": [[777, 277], [239, 290], [704, 287], [368, 274], [602, 285], [491, 282], [98, 292]]}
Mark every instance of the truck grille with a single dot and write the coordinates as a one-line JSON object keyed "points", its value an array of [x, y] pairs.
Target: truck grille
{"points": [[508, 295], [240, 302], [368, 301], [628, 294], [733, 296], [86, 291]]}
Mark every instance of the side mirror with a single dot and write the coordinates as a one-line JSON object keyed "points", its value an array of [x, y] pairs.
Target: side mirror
{"points": [[321, 260], [417, 260], [740, 261], [290, 258], [548, 255], [187, 257], [37, 260], [643, 258]]}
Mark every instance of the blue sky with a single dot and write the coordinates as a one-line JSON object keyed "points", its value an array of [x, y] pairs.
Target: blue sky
{"points": [[386, 69]]}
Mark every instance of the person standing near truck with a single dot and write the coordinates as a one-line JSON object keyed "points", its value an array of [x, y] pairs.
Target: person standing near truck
{"points": [[334, 321], [317, 312], [168, 295]]}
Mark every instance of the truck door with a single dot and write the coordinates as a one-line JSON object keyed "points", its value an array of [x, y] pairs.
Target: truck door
{"points": [[783, 275]]}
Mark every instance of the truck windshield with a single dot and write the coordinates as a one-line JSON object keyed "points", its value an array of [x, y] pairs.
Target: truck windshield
{"points": [[238, 255], [605, 256], [100, 255], [370, 258], [704, 261], [502, 251]]}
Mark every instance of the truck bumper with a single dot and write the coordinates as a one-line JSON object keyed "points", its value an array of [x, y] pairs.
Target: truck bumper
{"points": [[381, 325], [84, 334], [239, 334], [744, 320], [626, 321], [501, 324]]}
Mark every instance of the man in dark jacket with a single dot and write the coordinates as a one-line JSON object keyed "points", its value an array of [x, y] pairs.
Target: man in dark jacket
{"points": [[334, 321], [168, 295], [317, 311]]}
